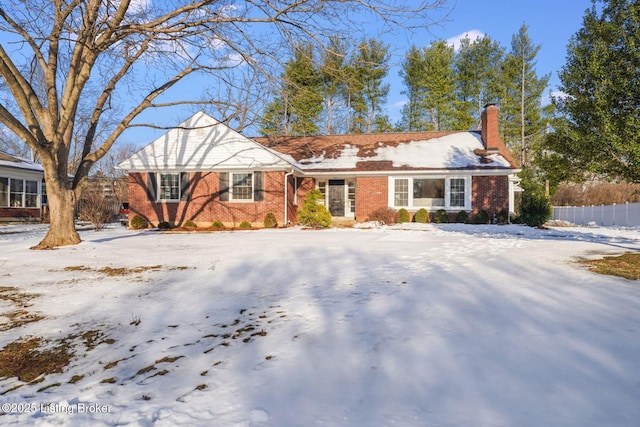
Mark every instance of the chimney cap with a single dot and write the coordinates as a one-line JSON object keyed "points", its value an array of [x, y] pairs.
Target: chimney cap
{"points": [[491, 104]]}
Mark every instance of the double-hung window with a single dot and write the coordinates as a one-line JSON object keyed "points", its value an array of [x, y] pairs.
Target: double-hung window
{"points": [[241, 186], [169, 187], [430, 192]]}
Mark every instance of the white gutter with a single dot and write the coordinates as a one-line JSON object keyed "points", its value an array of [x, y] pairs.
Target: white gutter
{"points": [[286, 197]]}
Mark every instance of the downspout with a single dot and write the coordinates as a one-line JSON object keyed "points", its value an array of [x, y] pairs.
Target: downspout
{"points": [[286, 197]]}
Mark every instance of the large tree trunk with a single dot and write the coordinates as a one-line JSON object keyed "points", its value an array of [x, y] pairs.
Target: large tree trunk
{"points": [[62, 230]]}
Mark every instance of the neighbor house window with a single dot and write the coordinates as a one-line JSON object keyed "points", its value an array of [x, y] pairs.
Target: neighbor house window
{"points": [[435, 193], [170, 186], [16, 194], [31, 194], [44, 201], [4, 192], [242, 186]]}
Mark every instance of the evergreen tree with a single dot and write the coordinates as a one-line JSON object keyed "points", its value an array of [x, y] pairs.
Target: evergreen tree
{"points": [[303, 87], [477, 67], [599, 130], [414, 114], [366, 91], [521, 110], [440, 85], [296, 110], [429, 77]]}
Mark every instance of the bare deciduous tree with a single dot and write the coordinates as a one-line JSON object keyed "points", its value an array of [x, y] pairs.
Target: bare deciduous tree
{"points": [[82, 71]]}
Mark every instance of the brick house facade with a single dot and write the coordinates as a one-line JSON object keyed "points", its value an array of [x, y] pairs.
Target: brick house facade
{"points": [[204, 172]]}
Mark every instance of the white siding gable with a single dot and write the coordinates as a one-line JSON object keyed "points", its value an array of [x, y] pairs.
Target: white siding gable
{"points": [[203, 143]]}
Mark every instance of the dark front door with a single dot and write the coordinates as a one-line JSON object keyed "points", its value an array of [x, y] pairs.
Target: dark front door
{"points": [[336, 197]]}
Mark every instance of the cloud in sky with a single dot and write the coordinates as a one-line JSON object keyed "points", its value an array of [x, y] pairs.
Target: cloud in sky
{"points": [[471, 34]]}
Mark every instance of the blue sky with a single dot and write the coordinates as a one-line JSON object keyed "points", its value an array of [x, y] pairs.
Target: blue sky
{"points": [[551, 24]]}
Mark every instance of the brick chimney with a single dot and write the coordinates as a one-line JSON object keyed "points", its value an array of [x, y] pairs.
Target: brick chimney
{"points": [[489, 132]]}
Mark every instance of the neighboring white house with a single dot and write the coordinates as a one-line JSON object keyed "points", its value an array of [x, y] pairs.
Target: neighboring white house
{"points": [[21, 189]]}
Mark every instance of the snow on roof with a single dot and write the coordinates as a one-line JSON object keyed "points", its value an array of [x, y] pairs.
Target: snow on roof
{"points": [[426, 150], [11, 161], [203, 143]]}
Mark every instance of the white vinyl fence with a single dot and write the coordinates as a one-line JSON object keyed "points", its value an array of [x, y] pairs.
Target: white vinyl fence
{"points": [[626, 215]]}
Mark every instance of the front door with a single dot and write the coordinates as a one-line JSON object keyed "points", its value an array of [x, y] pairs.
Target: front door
{"points": [[336, 197]]}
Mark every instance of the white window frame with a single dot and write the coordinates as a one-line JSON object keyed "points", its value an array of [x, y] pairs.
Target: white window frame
{"points": [[322, 184], [232, 195], [161, 193], [5, 192], [447, 192]]}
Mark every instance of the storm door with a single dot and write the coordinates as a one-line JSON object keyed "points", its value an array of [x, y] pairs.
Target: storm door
{"points": [[336, 197]]}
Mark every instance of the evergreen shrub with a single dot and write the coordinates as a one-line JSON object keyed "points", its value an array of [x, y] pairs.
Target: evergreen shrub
{"points": [[421, 216], [403, 216], [245, 225], [503, 216], [462, 217], [137, 223], [441, 216], [535, 208], [312, 213], [482, 217], [189, 224], [270, 221], [217, 224], [164, 225]]}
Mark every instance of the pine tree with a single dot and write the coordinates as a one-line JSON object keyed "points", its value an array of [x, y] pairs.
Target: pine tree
{"points": [[477, 67], [429, 77], [440, 85], [599, 128], [296, 110], [303, 86], [414, 114], [522, 90], [366, 91]]}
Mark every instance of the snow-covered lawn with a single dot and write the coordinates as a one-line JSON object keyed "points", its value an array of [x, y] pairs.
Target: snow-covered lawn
{"points": [[445, 325]]}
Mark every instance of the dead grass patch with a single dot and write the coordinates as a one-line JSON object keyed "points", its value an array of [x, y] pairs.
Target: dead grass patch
{"points": [[626, 265], [25, 360], [115, 271], [19, 316]]}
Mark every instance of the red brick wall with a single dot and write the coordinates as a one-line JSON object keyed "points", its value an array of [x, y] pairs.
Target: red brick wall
{"points": [[372, 192], [204, 205], [490, 193], [19, 213], [490, 131]]}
